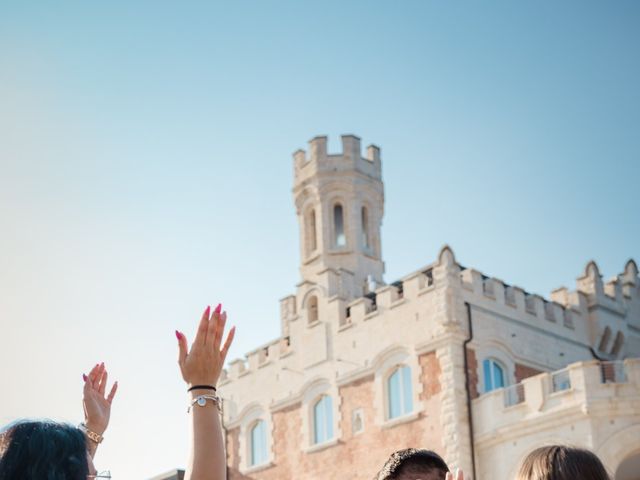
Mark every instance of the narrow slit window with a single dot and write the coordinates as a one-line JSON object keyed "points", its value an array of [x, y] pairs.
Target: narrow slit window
{"points": [[312, 242], [338, 226], [366, 243], [312, 309]]}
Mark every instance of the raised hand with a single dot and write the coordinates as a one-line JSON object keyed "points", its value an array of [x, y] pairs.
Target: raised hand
{"points": [[203, 363], [459, 475], [97, 407], [201, 366]]}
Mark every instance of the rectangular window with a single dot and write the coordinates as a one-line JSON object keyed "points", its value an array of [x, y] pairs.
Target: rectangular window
{"points": [[322, 420], [399, 392], [394, 395], [259, 444]]}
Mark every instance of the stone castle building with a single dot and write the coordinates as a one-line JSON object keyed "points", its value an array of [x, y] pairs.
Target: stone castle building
{"points": [[445, 358]]}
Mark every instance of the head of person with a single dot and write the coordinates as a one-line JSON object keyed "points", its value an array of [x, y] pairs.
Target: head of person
{"points": [[559, 462], [413, 464], [33, 450]]}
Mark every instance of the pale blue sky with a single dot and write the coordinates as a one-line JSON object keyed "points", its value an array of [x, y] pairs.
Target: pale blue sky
{"points": [[145, 170]]}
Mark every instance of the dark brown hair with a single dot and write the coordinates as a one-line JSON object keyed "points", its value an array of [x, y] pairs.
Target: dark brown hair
{"points": [[37, 450], [559, 462], [412, 461]]}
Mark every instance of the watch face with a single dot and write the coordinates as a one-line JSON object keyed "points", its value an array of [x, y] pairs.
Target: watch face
{"points": [[202, 401]]}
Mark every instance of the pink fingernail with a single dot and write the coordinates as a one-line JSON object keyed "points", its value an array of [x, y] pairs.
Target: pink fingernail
{"points": [[178, 335], [218, 308], [207, 310], [84, 377]]}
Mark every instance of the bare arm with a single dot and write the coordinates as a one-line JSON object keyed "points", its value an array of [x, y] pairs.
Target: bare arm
{"points": [[202, 366]]}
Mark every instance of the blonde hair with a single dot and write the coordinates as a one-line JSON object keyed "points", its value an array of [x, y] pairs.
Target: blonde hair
{"points": [[559, 462]]}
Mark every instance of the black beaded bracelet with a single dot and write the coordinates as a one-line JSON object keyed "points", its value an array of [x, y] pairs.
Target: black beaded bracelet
{"points": [[202, 387]]}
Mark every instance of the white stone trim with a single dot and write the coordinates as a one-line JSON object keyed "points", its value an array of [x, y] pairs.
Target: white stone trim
{"points": [[249, 417], [618, 446], [384, 367], [311, 394], [493, 351], [409, 417], [322, 446]]}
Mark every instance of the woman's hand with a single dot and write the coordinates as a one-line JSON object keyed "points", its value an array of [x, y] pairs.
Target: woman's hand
{"points": [[202, 366], [97, 407], [458, 475], [203, 363]]}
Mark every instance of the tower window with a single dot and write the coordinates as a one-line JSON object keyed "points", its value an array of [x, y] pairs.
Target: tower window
{"points": [[312, 309], [311, 240], [617, 344], [605, 340], [339, 238], [366, 242]]}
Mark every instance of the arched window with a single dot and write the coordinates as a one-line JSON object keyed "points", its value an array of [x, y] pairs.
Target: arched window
{"points": [[312, 309], [399, 393], [339, 238], [311, 240], [322, 420], [364, 217], [617, 344], [493, 375], [605, 340], [258, 441]]}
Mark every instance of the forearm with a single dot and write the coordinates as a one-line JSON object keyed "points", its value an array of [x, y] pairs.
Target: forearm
{"points": [[207, 459], [92, 447]]}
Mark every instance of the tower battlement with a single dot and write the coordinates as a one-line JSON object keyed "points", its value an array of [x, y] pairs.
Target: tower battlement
{"points": [[317, 159]]}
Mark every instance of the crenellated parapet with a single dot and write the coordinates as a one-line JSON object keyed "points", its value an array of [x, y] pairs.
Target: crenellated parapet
{"points": [[419, 295], [564, 308], [568, 313], [318, 160], [599, 314]]}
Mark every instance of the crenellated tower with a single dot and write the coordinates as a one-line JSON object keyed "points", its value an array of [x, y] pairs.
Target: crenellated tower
{"points": [[339, 201]]}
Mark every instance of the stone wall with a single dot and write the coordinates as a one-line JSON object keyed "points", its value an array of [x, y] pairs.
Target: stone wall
{"points": [[355, 455], [472, 372]]}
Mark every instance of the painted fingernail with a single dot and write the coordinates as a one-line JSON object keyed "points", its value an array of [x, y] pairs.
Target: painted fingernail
{"points": [[207, 310], [84, 377], [178, 335], [218, 308]]}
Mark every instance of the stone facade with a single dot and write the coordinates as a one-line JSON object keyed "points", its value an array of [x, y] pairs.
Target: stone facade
{"points": [[347, 337]]}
